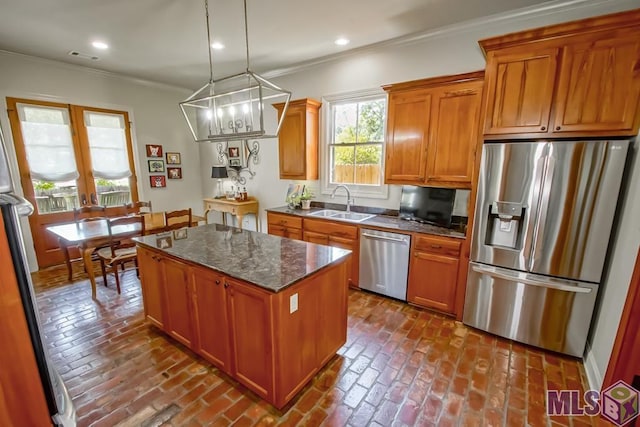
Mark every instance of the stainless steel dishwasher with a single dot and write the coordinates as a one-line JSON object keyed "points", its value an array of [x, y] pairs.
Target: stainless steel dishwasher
{"points": [[384, 262]]}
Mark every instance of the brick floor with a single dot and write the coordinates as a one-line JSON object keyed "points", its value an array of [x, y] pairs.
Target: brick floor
{"points": [[401, 366]]}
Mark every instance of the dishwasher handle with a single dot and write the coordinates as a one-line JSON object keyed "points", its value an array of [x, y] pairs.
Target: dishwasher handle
{"points": [[392, 239]]}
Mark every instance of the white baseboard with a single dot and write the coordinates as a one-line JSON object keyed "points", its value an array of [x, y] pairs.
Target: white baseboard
{"points": [[594, 377]]}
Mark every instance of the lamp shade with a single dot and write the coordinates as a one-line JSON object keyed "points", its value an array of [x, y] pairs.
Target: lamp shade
{"points": [[219, 172]]}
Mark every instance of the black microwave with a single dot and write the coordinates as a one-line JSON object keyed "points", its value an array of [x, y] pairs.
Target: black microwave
{"points": [[427, 204]]}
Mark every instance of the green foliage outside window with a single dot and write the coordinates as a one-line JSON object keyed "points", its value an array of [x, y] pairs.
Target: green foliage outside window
{"points": [[370, 129]]}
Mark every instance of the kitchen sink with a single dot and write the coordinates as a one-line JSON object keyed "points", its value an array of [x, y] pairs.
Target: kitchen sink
{"points": [[342, 215]]}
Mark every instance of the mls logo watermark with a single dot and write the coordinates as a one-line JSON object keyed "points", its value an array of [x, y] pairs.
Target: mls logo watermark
{"points": [[618, 403]]}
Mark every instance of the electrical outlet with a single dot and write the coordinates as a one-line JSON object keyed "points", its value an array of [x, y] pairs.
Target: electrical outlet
{"points": [[293, 303]]}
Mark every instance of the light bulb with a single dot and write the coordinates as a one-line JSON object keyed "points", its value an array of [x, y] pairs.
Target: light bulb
{"points": [[219, 113], [232, 110], [209, 114], [245, 108]]}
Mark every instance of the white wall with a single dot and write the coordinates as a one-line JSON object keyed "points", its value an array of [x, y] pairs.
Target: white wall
{"points": [[153, 110]]}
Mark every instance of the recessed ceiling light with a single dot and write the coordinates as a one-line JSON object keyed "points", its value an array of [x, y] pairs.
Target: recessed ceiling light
{"points": [[217, 45], [342, 41], [100, 45]]}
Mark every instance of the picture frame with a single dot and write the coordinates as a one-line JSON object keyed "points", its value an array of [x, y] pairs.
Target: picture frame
{"points": [[156, 165], [234, 152], [235, 163], [154, 150], [158, 181], [180, 234], [164, 242], [173, 158], [174, 173]]}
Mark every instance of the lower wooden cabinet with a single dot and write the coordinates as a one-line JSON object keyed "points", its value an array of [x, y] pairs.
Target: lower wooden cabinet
{"points": [[211, 338], [343, 236], [265, 340], [282, 225], [153, 286], [433, 272]]}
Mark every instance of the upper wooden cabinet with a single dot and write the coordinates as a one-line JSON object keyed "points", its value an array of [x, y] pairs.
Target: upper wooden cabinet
{"points": [[432, 130], [576, 79], [298, 140]]}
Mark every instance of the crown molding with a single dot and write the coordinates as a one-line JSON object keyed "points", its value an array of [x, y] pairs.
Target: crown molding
{"points": [[543, 9], [97, 72]]}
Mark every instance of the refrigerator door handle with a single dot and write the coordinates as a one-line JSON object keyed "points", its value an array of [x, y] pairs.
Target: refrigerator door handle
{"points": [[543, 209], [23, 206], [502, 273]]}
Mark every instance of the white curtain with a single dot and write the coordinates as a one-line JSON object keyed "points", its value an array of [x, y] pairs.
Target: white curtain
{"points": [[107, 144], [47, 140]]}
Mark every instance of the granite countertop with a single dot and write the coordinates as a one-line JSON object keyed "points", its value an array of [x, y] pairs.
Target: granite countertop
{"points": [[271, 262], [384, 221]]}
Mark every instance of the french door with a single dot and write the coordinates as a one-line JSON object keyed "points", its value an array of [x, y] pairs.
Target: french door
{"points": [[70, 156]]}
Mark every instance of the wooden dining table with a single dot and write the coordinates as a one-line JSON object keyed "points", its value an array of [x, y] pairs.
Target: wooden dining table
{"points": [[88, 235]]}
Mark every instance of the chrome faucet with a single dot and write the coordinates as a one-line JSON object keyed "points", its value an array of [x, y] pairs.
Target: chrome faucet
{"points": [[349, 199]]}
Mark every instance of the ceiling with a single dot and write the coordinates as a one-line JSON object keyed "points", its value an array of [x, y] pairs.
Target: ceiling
{"points": [[165, 40]]}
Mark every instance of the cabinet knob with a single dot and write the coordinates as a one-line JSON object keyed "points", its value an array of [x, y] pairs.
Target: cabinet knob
{"points": [[436, 246], [217, 282], [226, 285], [543, 128], [558, 128]]}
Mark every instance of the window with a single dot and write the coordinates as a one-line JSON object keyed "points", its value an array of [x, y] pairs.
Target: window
{"points": [[355, 142], [72, 155]]}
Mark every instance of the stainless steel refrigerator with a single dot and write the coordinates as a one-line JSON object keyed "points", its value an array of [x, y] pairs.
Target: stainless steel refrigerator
{"points": [[59, 405], [543, 220]]}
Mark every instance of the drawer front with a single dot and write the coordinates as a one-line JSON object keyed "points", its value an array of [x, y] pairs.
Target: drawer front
{"points": [[437, 245], [331, 228], [289, 233], [284, 220]]}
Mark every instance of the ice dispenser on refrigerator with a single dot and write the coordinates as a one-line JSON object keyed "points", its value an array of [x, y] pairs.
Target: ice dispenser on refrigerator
{"points": [[504, 225]]}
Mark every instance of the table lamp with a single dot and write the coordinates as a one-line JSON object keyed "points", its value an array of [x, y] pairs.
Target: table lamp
{"points": [[220, 173]]}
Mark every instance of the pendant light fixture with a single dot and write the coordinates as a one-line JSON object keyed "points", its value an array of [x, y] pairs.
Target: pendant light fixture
{"points": [[232, 107]]}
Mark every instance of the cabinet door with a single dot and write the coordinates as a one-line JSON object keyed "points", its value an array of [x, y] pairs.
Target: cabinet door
{"points": [[599, 85], [298, 140], [250, 322], [520, 83], [152, 284], [407, 137], [211, 327], [432, 281], [353, 264], [179, 320], [454, 134]]}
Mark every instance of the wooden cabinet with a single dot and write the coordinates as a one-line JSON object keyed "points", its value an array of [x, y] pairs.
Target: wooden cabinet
{"points": [[407, 136], [432, 130], [210, 316], [250, 328], [282, 225], [273, 343], [343, 236], [577, 79], [298, 140], [519, 89], [153, 286], [433, 272]]}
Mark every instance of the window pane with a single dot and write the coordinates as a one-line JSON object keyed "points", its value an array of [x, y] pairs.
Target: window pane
{"points": [[108, 145], [370, 121], [368, 165], [344, 125], [55, 197], [113, 192], [343, 165], [47, 141]]}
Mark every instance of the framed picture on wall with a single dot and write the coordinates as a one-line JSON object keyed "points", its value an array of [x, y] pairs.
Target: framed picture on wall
{"points": [[174, 173], [173, 158], [154, 150], [234, 152], [158, 181], [156, 165]]}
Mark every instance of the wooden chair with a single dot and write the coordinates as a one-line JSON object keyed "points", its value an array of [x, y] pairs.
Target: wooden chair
{"points": [[138, 207], [89, 213], [122, 249], [177, 219]]}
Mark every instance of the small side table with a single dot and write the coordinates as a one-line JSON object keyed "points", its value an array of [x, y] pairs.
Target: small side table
{"points": [[239, 209]]}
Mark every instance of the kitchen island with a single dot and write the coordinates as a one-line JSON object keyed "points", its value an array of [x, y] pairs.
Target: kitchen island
{"points": [[268, 311]]}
